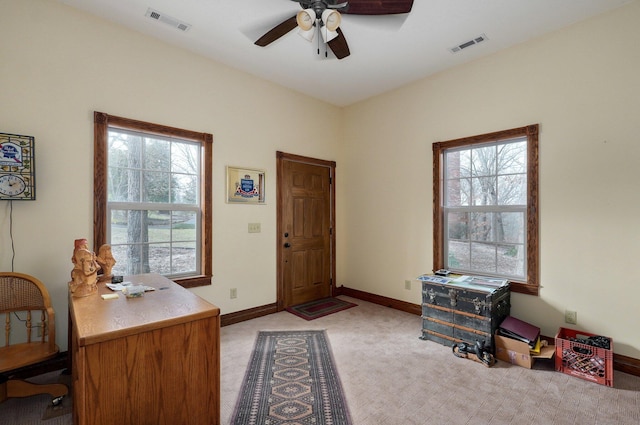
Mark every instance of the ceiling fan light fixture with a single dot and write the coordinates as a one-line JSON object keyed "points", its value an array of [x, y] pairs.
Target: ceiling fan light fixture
{"points": [[307, 35], [331, 19], [305, 19], [327, 35]]}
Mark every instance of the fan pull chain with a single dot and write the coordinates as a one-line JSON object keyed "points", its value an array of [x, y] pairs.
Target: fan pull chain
{"points": [[320, 28], [326, 54]]}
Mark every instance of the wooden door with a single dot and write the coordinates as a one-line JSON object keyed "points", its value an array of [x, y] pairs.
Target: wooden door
{"points": [[306, 241]]}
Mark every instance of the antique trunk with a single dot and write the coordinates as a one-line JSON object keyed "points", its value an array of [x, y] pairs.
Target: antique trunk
{"points": [[457, 312]]}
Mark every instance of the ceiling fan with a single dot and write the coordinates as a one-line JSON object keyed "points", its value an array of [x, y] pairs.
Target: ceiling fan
{"points": [[325, 17]]}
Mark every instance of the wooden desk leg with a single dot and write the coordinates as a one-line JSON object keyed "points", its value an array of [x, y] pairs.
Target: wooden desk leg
{"points": [[3, 389], [69, 339]]}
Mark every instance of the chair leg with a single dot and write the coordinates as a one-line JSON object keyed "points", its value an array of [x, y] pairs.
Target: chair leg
{"points": [[25, 389]]}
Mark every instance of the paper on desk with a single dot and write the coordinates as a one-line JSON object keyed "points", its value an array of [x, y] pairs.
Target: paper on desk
{"points": [[118, 286], [121, 286]]}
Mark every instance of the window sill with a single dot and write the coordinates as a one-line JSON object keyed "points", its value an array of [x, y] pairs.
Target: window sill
{"points": [[524, 288], [193, 282]]}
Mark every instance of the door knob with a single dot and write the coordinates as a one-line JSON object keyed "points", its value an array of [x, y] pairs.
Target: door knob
{"points": [[287, 245]]}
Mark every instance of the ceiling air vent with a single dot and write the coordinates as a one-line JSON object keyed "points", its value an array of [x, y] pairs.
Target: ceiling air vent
{"points": [[459, 47], [165, 19]]}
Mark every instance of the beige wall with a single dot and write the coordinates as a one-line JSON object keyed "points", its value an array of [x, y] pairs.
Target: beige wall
{"points": [[58, 65], [582, 86]]}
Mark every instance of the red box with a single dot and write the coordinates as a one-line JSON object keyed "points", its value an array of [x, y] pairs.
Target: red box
{"points": [[583, 360]]}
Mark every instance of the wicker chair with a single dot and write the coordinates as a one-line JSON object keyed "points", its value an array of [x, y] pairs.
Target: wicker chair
{"points": [[30, 322]]}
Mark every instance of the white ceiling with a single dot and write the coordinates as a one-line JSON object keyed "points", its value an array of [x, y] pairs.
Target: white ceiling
{"points": [[386, 51]]}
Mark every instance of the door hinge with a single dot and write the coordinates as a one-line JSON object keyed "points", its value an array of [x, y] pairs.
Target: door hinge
{"points": [[330, 180]]}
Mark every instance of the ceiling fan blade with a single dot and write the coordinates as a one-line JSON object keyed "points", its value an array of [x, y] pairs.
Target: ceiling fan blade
{"points": [[338, 5], [379, 7], [339, 45], [276, 32]]}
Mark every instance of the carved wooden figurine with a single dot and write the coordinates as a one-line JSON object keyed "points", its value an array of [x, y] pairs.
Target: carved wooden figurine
{"points": [[84, 276], [106, 261]]}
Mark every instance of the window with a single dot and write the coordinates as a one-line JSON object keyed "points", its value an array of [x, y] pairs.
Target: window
{"points": [[152, 198], [486, 206]]}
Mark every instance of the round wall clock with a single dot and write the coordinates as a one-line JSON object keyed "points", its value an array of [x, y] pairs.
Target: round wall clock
{"points": [[17, 167]]}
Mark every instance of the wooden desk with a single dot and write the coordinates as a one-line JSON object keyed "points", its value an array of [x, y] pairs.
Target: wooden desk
{"points": [[149, 360]]}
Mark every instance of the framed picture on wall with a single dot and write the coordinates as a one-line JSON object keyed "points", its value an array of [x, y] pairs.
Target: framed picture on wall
{"points": [[17, 168], [245, 185]]}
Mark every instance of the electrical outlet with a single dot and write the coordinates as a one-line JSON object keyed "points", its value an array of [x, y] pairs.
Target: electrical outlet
{"points": [[233, 293], [570, 317], [254, 228], [407, 285]]}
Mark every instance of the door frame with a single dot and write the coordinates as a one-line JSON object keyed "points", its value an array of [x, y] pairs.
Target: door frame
{"points": [[281, 157]]}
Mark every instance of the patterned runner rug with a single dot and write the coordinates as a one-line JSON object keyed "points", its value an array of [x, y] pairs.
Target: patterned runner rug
{"points": [[291, 379], [319, 308]]}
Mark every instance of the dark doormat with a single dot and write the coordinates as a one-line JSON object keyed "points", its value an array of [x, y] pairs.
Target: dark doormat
{"points": [[319, 308]]}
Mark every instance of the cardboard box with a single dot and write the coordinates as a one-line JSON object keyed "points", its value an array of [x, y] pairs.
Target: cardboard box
{"points": [[518, 353]]}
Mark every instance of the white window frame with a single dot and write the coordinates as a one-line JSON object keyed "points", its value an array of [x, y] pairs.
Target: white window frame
{"points": [[162, 206], [492, 209]]}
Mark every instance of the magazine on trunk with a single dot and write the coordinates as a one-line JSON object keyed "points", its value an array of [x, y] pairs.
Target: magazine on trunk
{"points": [[491, 282]]}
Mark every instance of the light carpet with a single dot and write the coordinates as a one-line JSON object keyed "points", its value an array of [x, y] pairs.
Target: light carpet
{"points": [[390, 377]]}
